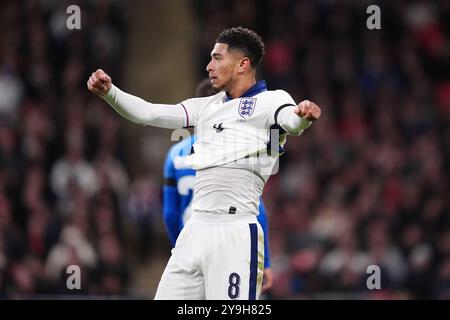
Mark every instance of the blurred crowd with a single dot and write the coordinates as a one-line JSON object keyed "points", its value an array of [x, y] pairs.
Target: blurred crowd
{"points": [[64, 184], [368, 184]]}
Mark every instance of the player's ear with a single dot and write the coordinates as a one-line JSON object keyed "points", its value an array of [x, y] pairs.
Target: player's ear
{"points": [[243, 65]]}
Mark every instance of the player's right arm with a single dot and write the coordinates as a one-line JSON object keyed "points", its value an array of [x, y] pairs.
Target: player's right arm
{"points": [[140, 111]]}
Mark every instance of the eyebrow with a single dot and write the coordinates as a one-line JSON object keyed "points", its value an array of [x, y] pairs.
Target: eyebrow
{"points": [[215, 55]]}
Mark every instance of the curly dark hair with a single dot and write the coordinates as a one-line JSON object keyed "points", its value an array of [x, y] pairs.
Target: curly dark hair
{"points": [[245, 40]]}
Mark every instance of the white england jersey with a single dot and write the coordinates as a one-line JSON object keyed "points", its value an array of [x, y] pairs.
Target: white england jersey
{"points": [[220, 252], [236, 150]]}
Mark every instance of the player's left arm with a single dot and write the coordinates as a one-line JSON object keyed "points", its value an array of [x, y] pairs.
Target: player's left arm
{"points": [[293, 118], [262, 219], [296, 119]]}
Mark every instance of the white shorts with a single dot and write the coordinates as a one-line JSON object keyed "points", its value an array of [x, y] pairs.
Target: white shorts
{"points": [[216, 257]]}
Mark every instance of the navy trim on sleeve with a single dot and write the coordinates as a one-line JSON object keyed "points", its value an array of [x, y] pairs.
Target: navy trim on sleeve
{"points": [[279, 109], [187, 116]]}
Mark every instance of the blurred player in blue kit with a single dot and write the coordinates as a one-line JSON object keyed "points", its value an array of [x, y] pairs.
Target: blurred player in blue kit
{"points": [[178, 190], [219, 253]]}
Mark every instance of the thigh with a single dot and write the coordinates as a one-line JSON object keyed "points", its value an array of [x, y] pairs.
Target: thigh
{"points": [[235, 268], [180, 283], [182, 279]]}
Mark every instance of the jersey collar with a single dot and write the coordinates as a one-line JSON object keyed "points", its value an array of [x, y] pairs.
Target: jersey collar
{"points": [[258, 87]]}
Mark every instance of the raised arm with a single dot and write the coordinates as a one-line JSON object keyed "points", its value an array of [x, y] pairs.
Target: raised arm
{"points": [[295, 119], [292, 117], [136, 109]]}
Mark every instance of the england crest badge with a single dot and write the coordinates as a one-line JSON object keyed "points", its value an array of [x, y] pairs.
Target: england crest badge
{"points": [[246, 107]]}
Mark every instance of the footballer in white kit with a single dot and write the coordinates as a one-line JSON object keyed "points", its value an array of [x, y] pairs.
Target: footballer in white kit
{"points": [[219, 253]]}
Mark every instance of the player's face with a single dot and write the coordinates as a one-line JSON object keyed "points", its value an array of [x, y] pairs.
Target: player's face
{"points": [[223, 66]]}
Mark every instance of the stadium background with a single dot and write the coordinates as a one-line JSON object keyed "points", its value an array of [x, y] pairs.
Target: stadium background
{"points": [[367, 184]]}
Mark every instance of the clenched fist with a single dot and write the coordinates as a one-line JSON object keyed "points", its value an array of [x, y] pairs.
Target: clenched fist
{"points": [[99, 82], [308, 110]]}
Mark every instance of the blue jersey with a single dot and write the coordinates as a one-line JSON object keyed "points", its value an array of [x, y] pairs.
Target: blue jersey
{"points": [[177, 197]]}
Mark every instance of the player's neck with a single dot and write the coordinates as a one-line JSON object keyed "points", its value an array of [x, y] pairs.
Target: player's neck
{"points": [[241, 87]]}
